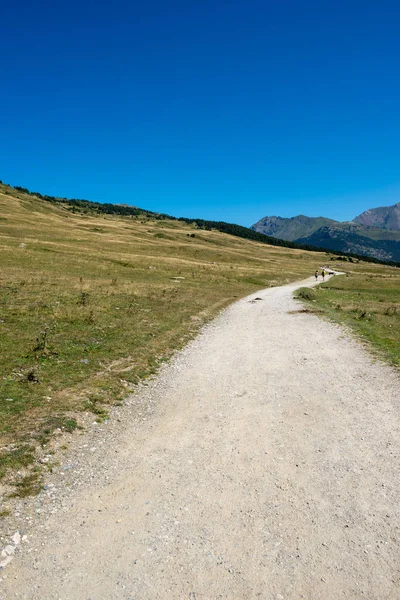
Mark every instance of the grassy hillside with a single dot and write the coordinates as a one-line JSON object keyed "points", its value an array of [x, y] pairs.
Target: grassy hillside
{"points": [[375, 233], [307, 224], [92, 303]]}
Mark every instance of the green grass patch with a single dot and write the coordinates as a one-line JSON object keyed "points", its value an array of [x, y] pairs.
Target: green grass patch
{"points": [[305, 294], [16, 458], [30, 485]]}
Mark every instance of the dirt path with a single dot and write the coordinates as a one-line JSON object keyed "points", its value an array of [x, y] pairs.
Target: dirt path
{"points": [[262, 463]]}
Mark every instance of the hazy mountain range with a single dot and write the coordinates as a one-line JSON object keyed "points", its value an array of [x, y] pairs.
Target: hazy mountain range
{"points": [[376, 232]]}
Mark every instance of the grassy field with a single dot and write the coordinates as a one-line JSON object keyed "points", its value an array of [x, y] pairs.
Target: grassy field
{"points": [[90, 305], [367, 300]]}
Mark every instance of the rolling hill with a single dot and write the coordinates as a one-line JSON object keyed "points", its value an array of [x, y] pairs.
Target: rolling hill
{"points": [[94, 297], [282, 235]]}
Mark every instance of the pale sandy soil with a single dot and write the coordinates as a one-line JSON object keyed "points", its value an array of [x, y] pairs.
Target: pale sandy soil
{"points": [[261, 464]]}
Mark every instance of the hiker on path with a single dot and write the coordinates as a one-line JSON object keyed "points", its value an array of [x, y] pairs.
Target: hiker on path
{"points": [[323, 274], [316, 274]]}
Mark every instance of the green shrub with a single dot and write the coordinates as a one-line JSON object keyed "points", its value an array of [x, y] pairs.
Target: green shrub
{"points": [[305, 294]]}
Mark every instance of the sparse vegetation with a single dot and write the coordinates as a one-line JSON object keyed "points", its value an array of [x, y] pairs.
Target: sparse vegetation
{"points": [[86, 207], [16, 457], [29, 485], [305, 294]]}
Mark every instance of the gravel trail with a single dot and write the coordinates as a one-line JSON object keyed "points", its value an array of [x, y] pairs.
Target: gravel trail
{"points": [[262, 463]]}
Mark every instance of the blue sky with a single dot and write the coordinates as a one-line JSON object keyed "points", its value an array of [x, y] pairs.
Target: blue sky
{"points": [[221, 110]]}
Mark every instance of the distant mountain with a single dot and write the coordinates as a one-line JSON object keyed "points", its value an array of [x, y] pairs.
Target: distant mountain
{"points": [[291, 229], [351, 237], [365, 241], [387, 217]]}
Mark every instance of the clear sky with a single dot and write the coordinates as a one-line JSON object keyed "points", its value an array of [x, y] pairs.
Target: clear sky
{"points": [[215, 109]]}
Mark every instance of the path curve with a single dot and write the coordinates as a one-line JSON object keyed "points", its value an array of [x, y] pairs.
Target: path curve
{"points": [[261, 464]]}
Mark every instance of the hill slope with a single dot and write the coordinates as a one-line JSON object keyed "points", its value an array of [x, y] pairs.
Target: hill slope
{"points": [[91, 303], [358, 240], [300, 226]]}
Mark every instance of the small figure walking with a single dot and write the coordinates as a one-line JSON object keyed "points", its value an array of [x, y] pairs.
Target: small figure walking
{"points": [[323, 275], [316, 274]]}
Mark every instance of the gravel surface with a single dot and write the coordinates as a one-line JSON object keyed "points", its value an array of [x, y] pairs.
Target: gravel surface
{"points": [[261, 463]]}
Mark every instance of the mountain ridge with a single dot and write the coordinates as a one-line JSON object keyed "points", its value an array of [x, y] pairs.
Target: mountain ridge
{"points": [[385, 217], [360, 236]]}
